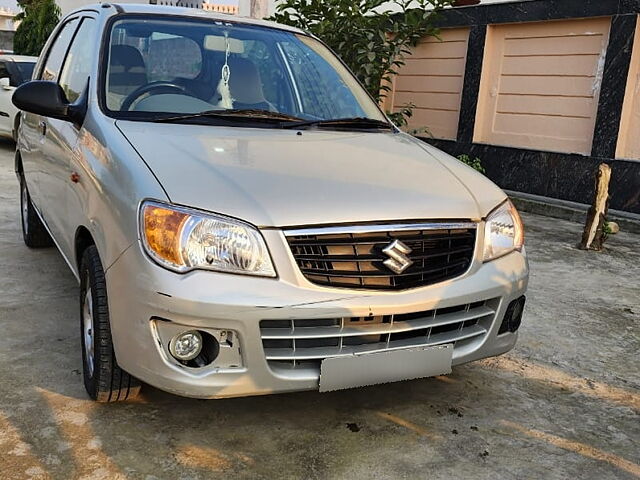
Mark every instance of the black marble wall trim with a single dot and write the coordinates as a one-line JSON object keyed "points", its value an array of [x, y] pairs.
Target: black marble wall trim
{"points": [[472, 74], [535, 10], [629, 6], [614, 82], [551, 174]]}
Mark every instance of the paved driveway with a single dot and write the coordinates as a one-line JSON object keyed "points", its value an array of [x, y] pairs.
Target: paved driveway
{"points": [[564, 404]]}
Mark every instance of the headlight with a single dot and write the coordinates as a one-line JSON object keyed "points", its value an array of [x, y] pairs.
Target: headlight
{"points": [[183, 239], [503, 232]]}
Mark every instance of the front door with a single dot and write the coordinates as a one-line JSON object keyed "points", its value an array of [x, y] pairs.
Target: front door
{"points": [[68, 175], [34, 151]]}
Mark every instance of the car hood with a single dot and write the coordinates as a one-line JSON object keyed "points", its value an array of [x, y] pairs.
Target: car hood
{"points": [[281, 178]]}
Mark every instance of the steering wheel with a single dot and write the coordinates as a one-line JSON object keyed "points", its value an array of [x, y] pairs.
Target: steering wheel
{"points": [[158, 88]]}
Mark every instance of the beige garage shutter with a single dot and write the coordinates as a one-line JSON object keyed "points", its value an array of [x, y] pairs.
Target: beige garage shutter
{"points": [[540, 84], [629, 138], [432, 79]]}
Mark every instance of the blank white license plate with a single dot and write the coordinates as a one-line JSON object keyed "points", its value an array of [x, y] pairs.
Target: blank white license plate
{"points": [[382, 367]]}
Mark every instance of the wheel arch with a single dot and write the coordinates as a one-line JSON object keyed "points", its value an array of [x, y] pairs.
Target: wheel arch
{"points": [[83, 240]]}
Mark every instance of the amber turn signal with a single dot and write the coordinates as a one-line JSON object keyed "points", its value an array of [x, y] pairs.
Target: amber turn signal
{"points": [[162, 230]]}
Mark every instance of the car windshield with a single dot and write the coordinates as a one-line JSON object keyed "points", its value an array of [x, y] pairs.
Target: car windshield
{"points": [[26, 70], [157, 67]]}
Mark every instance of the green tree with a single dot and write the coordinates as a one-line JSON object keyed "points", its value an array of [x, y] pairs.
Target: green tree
{"points": [[371, 36], [37, 20]]}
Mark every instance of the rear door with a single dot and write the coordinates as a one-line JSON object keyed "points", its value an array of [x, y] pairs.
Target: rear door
{"points": [[32, 142]]}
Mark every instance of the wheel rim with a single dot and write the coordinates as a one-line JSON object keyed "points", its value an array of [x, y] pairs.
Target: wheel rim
{"points": [[24, 204], [87, 329]]}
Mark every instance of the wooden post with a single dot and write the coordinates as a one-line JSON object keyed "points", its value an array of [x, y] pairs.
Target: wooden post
{"points": [[593, 236]]}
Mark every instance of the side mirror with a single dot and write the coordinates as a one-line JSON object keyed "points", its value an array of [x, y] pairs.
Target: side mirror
{"points": [[48, 99], [5, 83], [42, 98]]}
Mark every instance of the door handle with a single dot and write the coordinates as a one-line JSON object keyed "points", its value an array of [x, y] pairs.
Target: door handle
{"points": [[43, 127]]}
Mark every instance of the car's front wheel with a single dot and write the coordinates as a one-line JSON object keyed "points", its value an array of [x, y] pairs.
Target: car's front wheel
{"points": [[34, 233], [104, 380]]}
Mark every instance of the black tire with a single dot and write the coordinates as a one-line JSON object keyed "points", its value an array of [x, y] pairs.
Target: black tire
{"points": [[34, 233], [104, 380]]}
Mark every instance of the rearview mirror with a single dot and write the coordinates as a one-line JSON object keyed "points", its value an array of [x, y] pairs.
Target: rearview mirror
{"points": [[219, 43], [49, 100], [5, 83]]}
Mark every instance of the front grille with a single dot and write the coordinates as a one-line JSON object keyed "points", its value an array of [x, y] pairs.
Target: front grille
{"points": [[306, 342], [355, 259]]}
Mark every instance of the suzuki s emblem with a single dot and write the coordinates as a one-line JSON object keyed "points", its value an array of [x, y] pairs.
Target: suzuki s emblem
{"points": [[397, 252]]}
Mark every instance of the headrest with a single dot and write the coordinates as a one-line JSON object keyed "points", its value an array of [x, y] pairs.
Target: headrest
{"points": [[244, 82], [126, 56], [126, 69]]}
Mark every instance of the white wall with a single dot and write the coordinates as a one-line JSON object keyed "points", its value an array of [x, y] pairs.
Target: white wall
{"points": [[6, 20]]}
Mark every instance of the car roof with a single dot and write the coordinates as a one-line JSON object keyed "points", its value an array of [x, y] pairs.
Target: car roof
{"points": [[182, 12], [18, 58]]}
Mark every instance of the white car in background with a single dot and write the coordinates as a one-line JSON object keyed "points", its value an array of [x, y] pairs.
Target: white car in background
{"points": [[14, 71]]}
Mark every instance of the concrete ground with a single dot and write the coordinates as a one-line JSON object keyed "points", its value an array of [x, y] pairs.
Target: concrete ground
{"points": [[564, 404]]}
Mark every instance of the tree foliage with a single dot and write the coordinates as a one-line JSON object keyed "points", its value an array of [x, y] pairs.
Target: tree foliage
{"points": [[37, 20], [371, 36]]}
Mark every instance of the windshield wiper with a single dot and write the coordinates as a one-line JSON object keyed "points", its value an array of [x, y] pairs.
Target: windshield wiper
{"points": [[350, 122], [236, 113], [283, 120]]}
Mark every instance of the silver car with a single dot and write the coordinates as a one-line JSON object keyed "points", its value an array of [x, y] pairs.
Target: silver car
{"points": [[242, 217]]}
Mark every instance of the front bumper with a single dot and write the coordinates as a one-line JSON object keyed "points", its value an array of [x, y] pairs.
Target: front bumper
{"points": [[140, 291]]}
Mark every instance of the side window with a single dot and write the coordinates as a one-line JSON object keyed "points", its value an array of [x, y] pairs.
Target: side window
{"points": [[77, 65], [4, 72], [8, 70], [14, 75], [58, 50], [24, 72]]}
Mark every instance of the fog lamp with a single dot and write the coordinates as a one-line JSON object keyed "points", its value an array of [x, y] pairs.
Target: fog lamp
{"points": [[513, 316], [186, 345]]}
